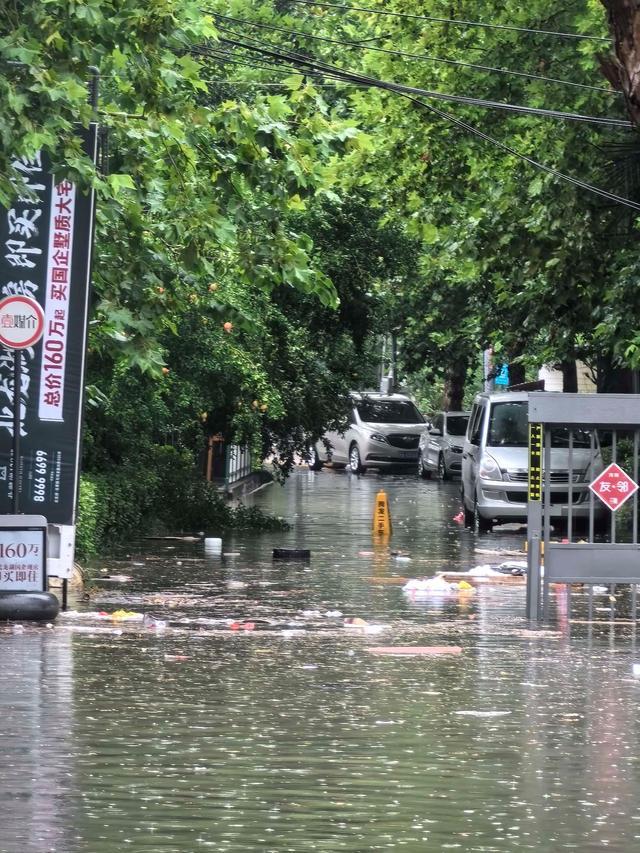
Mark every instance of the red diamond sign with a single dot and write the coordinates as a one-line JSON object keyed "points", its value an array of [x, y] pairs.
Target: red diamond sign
{"points": [[613, 487]]}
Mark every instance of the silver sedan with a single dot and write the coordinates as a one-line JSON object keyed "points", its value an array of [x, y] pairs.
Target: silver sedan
{"points": [[440, 449]]}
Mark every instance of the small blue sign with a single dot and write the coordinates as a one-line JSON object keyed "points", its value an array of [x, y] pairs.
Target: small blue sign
{"points": [[503, 375]]}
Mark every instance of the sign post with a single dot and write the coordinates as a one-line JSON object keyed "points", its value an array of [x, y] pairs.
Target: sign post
{"points": [[534, 520], [21, 326]]}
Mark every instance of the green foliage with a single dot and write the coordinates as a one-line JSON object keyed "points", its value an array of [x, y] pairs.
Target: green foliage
{"points": [[87, 529], [509, 256], [162, 492], [261, 228]]}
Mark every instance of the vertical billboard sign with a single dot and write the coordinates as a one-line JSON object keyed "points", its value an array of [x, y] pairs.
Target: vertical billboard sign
{"points": [[45, 253]]}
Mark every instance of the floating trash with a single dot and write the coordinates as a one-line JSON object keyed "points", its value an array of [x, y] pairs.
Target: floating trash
{"points": [[482, 713], [291, 554], [125, 616], [116, 578], [414, 651]]}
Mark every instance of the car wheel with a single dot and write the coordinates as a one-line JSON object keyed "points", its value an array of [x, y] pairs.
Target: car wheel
{"points": [[484, 525], [314, 462], [422, 471], [469, 516], [355, 463], [443, 474]]}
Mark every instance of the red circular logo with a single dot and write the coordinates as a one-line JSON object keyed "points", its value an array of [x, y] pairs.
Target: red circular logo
{"points": [[21, 322]]}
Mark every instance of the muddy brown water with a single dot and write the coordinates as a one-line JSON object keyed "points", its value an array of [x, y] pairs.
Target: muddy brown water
{"points": [[287, 734]]}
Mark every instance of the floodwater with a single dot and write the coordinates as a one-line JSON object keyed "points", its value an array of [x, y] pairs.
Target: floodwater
{"points": [[258, 721]]}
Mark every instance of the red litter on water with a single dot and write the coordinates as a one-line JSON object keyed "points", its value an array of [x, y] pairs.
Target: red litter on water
{"points": [[414, 651], [242, 626], [459, 518]]}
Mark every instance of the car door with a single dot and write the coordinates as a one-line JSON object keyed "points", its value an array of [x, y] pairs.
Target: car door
{"points": [[473, 451], [434, 442], [339, 449]]}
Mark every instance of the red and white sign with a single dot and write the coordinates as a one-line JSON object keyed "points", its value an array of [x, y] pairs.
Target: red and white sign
{"points": [[613, 487], [21, 322]]}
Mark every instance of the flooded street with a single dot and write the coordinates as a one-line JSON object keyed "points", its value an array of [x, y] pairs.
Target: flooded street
{"points": [[257, 720]]}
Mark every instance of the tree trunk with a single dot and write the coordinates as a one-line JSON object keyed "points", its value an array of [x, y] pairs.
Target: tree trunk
{"points": [[622, 69], [454, 382], [613, 380], [517, 374], [569, 377]]}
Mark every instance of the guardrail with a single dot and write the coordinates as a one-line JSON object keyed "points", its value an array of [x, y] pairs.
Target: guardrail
{"points": [[238, 464]]}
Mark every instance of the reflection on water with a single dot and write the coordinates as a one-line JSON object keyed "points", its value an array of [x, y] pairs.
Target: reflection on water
{"points": [[290, 735]]}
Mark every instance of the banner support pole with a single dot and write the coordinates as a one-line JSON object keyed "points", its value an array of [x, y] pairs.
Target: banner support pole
{"points": [[17, 385]]}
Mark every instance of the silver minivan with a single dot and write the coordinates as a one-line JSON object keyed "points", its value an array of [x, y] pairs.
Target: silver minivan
{"points": [[495, 464], [384, 432]]}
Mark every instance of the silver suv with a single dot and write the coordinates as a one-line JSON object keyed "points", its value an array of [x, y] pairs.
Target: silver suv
{"points": [[384, 432], [440, 448], [495, 464]]}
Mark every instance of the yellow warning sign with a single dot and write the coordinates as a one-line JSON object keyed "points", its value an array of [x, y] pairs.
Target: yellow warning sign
{"points": [[381, 516], [535, 462]]}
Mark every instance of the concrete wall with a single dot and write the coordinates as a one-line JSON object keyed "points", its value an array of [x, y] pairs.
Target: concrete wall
{"points": [[553, 379]]}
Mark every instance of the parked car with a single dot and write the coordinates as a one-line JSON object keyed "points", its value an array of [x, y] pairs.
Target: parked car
{"points": [[384, 432], [495, 464], [440, 448]]}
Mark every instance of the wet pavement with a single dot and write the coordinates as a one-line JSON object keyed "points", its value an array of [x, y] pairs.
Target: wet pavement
{"points": [[257, 719]]}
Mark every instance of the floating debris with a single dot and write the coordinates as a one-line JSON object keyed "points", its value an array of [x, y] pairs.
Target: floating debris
{"points": [[482, 713], [414, 651]]}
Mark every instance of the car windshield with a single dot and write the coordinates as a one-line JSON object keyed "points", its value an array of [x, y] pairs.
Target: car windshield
{"points": [[457, 424], [509, 427], [389, 412]]}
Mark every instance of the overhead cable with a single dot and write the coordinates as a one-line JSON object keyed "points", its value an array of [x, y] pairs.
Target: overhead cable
{"points": [[266, 49], [538, 165], [346, 77], [418, 56], [225, 58], [452, 21]]}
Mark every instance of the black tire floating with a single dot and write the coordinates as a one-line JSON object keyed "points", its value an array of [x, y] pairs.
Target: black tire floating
{"points": [[28, 607]]}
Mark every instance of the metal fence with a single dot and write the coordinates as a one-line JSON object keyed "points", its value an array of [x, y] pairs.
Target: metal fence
{"points": [[239, 464], [582, 447]]}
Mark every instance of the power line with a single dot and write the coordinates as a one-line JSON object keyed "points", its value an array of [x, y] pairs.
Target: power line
{"points": [[418, 56], [266, 84], [536, 163], [299, 59], [454, 22], [225, 58], [346, 77]]}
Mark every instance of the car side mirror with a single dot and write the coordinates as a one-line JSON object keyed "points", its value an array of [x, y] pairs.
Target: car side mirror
{"points": [[436, 432]]}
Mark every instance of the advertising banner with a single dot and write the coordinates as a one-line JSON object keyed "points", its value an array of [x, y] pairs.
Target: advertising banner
{"points": [[22, 559], [45, 254]]}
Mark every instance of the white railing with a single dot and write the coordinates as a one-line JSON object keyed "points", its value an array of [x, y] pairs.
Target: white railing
{"points": [[238, 464]]}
